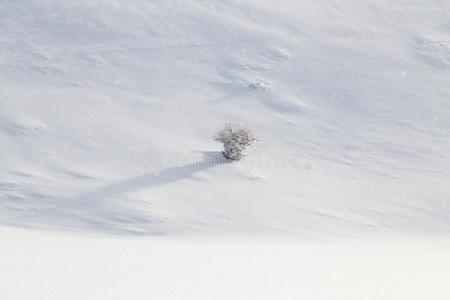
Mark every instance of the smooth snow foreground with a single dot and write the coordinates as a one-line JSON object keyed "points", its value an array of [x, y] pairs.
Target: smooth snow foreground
{"points": [[51, 266]]}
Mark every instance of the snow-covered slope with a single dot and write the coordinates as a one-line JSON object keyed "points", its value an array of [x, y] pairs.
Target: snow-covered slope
{"points": [[108, 108]]}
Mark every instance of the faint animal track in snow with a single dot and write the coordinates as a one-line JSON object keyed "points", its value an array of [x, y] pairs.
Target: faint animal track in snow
{"points": [[281, 54], [80, 175], [259, 85], [435, 52], [8, 186], [22, 127]]}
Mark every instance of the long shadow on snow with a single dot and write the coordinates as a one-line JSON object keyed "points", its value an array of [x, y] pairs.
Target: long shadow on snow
{"points": [[106, 209], [211, 159]]}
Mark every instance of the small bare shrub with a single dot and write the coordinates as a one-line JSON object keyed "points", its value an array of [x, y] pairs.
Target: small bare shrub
{"points": [[235, 139]]}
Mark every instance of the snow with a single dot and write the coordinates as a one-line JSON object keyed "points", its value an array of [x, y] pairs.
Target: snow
{"points": [[108, 111], [52, 266]]}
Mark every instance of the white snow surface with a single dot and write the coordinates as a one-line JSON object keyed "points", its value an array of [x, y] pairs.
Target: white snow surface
{"points": [[108, 110], [51, 266]]}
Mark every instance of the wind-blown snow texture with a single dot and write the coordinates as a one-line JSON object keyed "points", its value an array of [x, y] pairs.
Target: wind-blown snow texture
{"points": [[108, 110]]}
